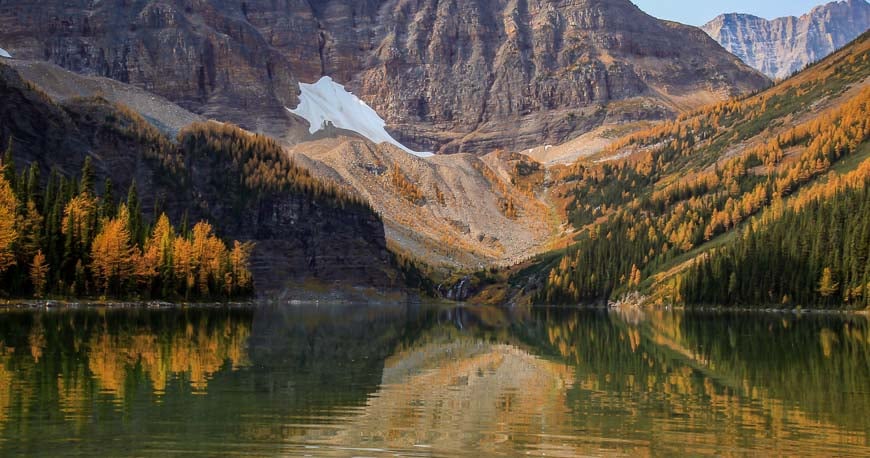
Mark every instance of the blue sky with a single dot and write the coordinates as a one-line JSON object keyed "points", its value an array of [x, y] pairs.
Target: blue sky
{"points": [[698, 12]]}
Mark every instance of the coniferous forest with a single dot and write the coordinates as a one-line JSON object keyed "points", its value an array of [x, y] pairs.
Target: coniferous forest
{"points": [[72, 237], [818, 255], [678, 196]]}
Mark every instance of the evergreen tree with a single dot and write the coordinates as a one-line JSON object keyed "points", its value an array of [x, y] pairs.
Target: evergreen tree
{"points": [[108, 199], [8, 164], [87, 180], [134, 212]]}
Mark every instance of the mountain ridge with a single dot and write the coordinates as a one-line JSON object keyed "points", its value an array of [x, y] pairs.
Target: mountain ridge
{"points": [[453, 76], [779, 47]]}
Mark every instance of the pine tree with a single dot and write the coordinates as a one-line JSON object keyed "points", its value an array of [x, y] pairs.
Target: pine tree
{"points": [[87, 180], [134, 213], [108, 200], [635, 275], [33, 185], [8, 165], [240, 259], [30, 232], [732, 285]]}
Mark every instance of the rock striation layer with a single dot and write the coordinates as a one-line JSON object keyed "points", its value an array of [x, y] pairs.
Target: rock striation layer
{"points": [[782, 46], [447, 76]]}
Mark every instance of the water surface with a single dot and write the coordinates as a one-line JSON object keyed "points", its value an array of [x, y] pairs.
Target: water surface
{"points": [[414, 380]]}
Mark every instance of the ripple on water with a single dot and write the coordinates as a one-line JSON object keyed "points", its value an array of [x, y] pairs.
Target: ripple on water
{"points": [[392, 382]]}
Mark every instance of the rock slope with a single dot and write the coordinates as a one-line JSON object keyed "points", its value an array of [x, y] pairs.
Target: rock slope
{"points": [[785, 45], [447, 76], [456, 210], [63, 85], [300, 236]]}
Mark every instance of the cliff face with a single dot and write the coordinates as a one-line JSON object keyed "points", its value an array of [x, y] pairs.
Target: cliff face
{"points": [[456, 75], [785, 45], [299, 236]]}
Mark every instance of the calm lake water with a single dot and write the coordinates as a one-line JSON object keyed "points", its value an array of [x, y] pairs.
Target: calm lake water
{"points": [[414, 380]]}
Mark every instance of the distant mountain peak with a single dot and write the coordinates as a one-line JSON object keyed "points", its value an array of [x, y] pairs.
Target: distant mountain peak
{"points": [[782, 46]]}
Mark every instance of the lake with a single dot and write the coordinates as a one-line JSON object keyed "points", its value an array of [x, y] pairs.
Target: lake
{"points": [[418, 380]]}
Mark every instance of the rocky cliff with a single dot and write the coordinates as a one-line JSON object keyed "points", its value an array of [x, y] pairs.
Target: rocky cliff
{"points": [[305, 232], [785, 45], [448, 76]]}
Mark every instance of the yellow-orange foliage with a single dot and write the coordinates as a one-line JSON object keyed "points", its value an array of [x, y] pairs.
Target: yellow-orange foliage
{"points": [[38, 273], [77, 215], [204, 260], [112, 253], [406, 188], [8, 231], [239, 259]]}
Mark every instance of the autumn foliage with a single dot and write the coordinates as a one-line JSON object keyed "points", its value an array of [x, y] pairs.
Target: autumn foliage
{"points": [[672, 189], [68, 240]]}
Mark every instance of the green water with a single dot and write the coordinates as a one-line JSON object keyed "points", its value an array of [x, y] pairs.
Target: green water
{"points": [[413, 380]]}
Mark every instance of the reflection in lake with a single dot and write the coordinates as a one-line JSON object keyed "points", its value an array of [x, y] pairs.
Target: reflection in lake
{"points": [[416, 380]]}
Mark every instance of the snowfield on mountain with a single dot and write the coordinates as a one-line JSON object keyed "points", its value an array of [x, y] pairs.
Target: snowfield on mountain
{"points": [[327, 102]]}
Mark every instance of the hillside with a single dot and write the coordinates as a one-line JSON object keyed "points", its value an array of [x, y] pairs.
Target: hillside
{"points": [[457, 211], [303, 229], [782, 46], [657, 200], [463, 76], [64, 85]]}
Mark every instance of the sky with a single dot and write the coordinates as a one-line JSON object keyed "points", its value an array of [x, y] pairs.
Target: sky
{"points": [[699, 12]]}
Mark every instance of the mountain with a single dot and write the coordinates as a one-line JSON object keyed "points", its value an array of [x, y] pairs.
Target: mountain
{"points": [[757, 201], [64, 86], [455, 76], [785, 45], [304, 229], [458, 210]]}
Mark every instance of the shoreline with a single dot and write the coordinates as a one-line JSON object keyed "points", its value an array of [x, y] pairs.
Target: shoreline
{"points": [[794, 311], [73, 304]]}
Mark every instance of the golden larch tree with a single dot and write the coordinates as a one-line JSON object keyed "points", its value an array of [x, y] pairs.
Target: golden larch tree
{"points": [[39, 273], [112, 253], [8, 231]]}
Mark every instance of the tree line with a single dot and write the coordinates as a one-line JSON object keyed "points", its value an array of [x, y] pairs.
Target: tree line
{"points": [[63, 238]]}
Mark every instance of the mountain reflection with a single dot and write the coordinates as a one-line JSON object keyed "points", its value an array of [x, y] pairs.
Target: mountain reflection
{"points": [[411, 379]]}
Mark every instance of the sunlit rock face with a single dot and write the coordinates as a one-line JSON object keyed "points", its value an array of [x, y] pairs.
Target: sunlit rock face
{"points": [[467, 75], [785, 45]]}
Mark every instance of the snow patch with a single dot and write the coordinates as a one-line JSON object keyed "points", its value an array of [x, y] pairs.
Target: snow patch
{"points": [[5, 53], [327, 102]]}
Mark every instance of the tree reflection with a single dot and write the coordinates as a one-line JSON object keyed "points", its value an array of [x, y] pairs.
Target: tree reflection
{"points": [[463, 380], [77, 356]]}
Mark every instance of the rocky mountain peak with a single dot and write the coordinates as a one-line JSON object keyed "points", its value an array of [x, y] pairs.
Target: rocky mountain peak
{"points": [[785, 45], [446, 76]]}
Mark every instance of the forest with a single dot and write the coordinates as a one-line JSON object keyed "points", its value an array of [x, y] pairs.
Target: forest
{"points": [[817, 254], [680, 190], [63, 238]]}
